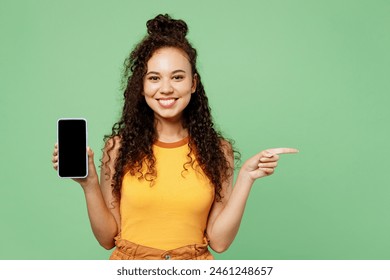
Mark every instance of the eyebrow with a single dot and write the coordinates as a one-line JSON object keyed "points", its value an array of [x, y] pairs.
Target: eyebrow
{"points": [[157, 73]]}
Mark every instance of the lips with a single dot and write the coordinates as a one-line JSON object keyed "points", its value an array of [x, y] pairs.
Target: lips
{"points": [[167, 102]]}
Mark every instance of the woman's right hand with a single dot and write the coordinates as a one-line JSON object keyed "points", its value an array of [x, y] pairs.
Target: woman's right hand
{"points": [[92, 177]]}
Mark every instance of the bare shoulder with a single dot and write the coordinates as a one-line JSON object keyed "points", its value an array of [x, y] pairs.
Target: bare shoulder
{"points": [[112, 144], [227, 148], [111, 148]]}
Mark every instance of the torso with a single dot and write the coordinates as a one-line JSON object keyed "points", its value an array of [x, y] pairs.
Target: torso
{"points": [[172, 212]]}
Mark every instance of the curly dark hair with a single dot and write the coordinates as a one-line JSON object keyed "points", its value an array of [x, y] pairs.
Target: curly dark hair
{"points": [[136, 128]]}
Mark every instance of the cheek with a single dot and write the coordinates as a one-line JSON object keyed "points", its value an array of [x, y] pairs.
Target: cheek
{"points": [[184, 88], [149, 89], [149, 100]]}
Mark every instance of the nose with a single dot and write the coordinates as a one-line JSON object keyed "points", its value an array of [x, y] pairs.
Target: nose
{"points": [[166, 87]]}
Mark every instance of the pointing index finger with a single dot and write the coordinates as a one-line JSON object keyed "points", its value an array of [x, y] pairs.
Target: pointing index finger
{"points": [[278, 151]]}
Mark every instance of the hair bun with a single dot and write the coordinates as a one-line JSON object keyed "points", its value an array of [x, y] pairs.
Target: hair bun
{"points": [[164, 25]]}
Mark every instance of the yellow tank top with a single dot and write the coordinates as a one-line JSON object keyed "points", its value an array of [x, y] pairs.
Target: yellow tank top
{"points": [[173, 212]]}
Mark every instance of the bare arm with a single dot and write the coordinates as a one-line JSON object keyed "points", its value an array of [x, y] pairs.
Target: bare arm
{"points": [[225, 216], [103, 211]]}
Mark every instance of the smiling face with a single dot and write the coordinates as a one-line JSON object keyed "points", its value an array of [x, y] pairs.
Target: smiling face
{"points": [[168, 83]]}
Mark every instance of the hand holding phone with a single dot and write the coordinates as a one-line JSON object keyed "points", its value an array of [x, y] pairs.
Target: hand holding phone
{"points": [[72, 141]]}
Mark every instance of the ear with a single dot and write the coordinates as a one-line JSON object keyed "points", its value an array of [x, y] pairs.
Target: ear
{"points": [[194, 83]]}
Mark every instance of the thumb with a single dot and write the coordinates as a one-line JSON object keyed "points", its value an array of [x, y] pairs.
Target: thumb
{"points": [[91, 162], [89, 151], [90, 155]]}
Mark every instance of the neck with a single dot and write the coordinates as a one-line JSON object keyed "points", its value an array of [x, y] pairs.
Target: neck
{"points": [[170, 131]]}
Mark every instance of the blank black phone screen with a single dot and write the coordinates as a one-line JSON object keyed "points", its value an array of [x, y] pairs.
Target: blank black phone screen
{"points": [[72, 148]]}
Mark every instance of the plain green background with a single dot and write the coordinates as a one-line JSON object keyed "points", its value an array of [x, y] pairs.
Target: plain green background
{"points": [[313, 75]]}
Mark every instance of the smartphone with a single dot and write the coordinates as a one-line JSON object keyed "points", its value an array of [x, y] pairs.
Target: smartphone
{"points": [[72, 142]]}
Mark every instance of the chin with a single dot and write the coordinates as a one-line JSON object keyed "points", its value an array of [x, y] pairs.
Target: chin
{"points": [[167, 116]]}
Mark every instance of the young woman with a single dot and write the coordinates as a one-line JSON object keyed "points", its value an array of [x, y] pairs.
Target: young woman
{"points": [[166, 183]]}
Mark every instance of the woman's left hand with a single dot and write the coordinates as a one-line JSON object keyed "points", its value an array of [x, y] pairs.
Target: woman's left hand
{"points": [[265, 162]]}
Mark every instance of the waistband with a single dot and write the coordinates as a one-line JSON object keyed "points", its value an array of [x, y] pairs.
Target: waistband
{"points": [[126, 250]]}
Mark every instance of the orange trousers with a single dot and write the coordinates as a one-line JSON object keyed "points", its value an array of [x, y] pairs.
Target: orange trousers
{"points": [[126, 250]]}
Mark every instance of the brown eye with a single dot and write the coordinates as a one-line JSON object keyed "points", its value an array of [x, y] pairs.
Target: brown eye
{"points": [[153, 78], [178, 77]]}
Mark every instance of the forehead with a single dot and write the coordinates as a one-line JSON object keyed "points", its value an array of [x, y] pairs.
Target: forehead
{"points": [[168, 59]]}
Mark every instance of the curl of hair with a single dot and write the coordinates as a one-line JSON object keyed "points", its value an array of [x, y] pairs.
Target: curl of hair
{"points": [[164, 25], [136, 127]]}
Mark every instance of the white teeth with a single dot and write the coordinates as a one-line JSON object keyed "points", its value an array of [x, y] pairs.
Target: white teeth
{"points": [[166, 102]]}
